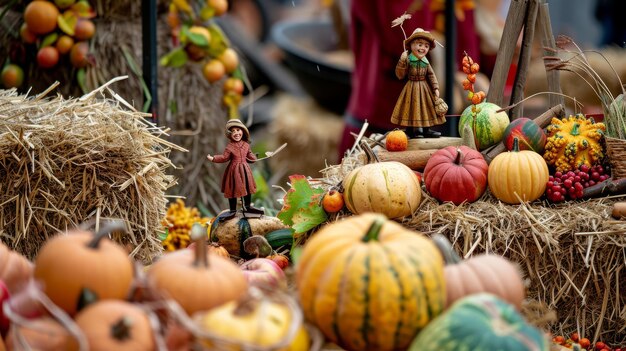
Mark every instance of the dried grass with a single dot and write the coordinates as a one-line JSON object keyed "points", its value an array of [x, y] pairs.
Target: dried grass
{"points": [[65, 161], [571, 254]]}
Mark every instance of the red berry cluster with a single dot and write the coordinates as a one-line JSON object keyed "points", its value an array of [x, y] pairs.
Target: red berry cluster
{"points": [[569, 185]]}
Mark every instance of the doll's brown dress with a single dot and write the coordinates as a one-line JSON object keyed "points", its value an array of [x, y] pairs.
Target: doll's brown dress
{"points": [[237, 180], [415, 106]]}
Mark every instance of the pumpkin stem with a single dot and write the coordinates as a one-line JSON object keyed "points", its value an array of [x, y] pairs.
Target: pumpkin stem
{"points": [[106, 229], [459, 154], [515, 145], [121, 329], [445, 247], [197, 235], [374, 229], [371, 156], [575, 129]]}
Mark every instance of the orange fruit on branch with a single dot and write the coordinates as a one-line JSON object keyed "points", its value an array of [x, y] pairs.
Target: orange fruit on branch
{"points": [[84, 29], [396, 140], [41, 17], [213, 70], [27, 36], [48, 57], [12, 76], [332, 201], [64, 44], [78, 54], [230, 59]]}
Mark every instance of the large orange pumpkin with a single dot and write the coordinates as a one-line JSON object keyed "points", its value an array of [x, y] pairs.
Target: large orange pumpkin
{"points": [[518, 176], [69, 263], [15, 269], [196, 279], [488, 273], [116, 325], [369, 283]]}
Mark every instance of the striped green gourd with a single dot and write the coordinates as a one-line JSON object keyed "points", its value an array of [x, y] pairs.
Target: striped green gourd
{"points": [[480, 322], [528, 133], [368, 283], [487, 125]]}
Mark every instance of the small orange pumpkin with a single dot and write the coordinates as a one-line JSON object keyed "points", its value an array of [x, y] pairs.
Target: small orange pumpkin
{"points": [[482, 273], [396, 140], [116, 325], [68, 264], [15, 269], [192, 277]]}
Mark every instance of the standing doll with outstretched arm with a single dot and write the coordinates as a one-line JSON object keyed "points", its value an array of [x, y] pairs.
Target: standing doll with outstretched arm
{"points": [[415, 107], [237, 181]]}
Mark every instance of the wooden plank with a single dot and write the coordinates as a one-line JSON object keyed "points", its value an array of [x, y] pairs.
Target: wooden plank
{"points": [[519, 84], [549, 49], [508, 44]]}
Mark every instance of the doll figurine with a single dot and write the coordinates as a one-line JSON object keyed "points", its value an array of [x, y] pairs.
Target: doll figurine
{"points": [[237, 181], [418, 107]]}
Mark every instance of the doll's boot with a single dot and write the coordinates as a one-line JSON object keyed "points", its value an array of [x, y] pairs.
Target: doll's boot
{"points": [[428, 133]]}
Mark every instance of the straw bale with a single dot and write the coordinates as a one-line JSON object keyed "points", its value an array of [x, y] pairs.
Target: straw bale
{"points": [[187, 103], [65, 161], [571, 254]]}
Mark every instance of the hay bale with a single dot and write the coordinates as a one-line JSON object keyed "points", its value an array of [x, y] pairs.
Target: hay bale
{"points": [[572, 254], [65, 161], [312, 135], [188, 104]]}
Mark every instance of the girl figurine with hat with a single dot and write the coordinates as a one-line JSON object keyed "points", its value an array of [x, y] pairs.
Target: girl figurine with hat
{"points": [[237, 181], [419, 106]]}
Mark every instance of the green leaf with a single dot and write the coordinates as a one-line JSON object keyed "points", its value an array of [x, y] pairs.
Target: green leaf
{"points": [[83, 9], [49, 39], [82, 83], [67, 22], [218, 41], [175, 58], [296, 252], [301, 205], [207, 12], [198, 39], [164, 235]]}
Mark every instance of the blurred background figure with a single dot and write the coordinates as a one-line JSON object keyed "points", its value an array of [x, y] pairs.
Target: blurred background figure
{"points": [[610, 15]]}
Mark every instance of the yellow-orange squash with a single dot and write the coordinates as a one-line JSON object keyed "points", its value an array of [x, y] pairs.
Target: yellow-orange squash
{"points": [[389, 188], [77, 260], [518, 176], [116, 325], [196, 279], [368, 283], [573, 141]]}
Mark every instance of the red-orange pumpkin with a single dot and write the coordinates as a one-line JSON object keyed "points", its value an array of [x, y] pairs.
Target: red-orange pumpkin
{"points": [[456, 174]]}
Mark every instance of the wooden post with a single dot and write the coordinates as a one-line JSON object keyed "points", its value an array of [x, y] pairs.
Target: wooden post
{"points": [[149, 55], [524, 59], [508, 43], [547, 42]]}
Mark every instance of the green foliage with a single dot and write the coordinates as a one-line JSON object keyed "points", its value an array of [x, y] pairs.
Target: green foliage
{"points": [[302, 209]]}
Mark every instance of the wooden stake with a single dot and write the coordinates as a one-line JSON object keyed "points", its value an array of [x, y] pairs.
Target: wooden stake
{"points": [[508, 44], [547, 41], [524, 59]]}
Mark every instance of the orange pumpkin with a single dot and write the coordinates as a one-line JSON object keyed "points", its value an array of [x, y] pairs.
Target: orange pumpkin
{"points": [[192, 278], [396, 140], [116, 325], [482, 273], [41, 334], [67, 264], [15, 269]]}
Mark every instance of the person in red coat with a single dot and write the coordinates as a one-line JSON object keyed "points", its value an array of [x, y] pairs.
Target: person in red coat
{"points": [[237, 181]]}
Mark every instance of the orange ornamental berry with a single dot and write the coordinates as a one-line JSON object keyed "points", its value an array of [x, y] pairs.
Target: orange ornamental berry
{"points": [[474, 68], [396, 140], [332, 201]]}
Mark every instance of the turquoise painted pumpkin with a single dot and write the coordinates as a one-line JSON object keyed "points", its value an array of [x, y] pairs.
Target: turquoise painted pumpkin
{"points": [[528, 133], [480, 322], [487, 125]]}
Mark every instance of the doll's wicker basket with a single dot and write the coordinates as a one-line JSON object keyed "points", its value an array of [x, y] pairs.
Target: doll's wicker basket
{"points": [[441, 108]]}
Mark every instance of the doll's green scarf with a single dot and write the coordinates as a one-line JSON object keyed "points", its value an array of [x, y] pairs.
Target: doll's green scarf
{"points": [[414, 61]]}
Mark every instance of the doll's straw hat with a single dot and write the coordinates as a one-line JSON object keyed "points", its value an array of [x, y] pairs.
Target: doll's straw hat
{"points": [[237, 123], [419, 33]]}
